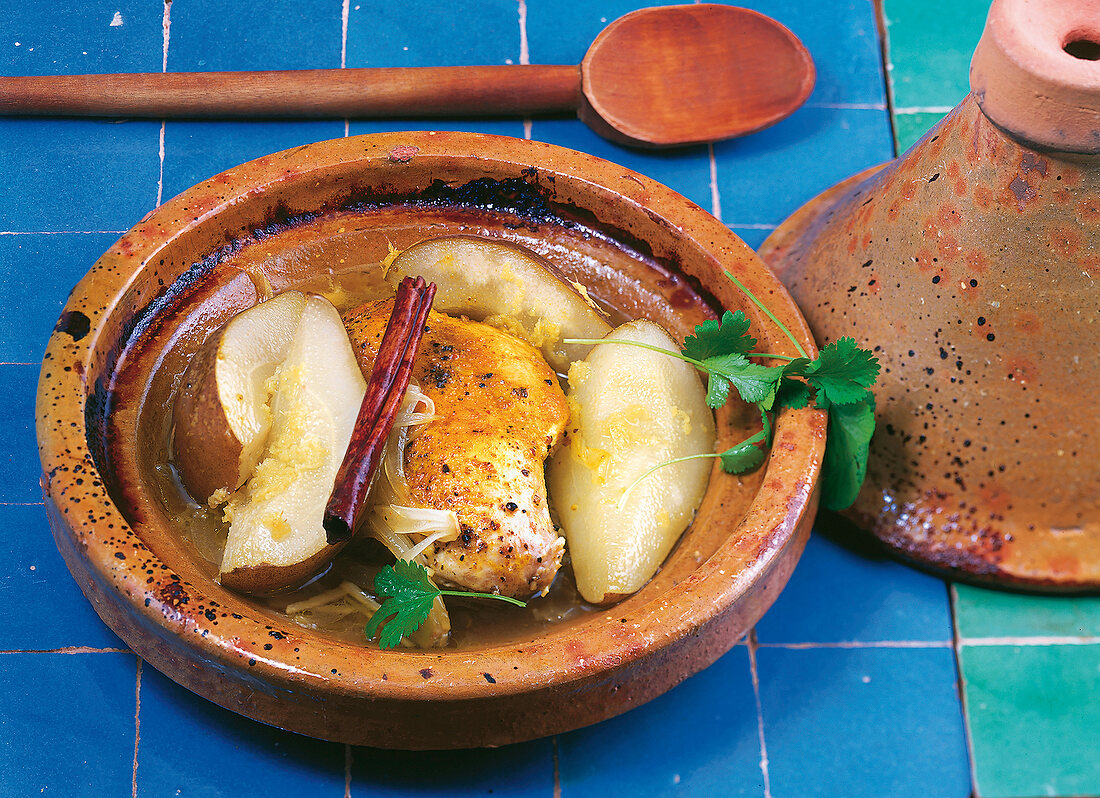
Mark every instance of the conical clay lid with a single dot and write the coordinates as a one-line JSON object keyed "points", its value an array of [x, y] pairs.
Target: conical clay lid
{"points": [[972, 266]]}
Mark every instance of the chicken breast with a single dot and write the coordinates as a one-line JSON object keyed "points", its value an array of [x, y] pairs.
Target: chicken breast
{"points": [[501, 412]]}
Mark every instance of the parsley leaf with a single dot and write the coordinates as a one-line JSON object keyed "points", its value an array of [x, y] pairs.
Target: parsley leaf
{"points": [[718, 391], [842, 372], [792, 393], [409, 594], [849, 438], [753, 381], [745, 456], [720, 338]]}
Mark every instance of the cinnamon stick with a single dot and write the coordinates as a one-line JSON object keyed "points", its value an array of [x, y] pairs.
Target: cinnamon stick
{"points": [[386, 387]]}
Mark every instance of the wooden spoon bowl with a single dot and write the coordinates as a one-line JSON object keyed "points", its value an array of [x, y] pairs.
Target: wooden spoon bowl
{"points": [[313, 218], [677, 75]]}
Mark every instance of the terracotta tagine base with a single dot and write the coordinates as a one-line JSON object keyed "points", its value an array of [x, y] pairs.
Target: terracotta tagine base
{"points": [[315, 217], [972, 265]]}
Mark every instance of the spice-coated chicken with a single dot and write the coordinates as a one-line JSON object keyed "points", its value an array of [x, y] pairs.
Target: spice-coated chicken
{"points": [[501, 413]]}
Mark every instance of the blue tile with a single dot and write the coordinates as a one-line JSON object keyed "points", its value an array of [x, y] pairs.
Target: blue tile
{"points": [[212, 35], [842, 594], [496, 127], [19, 462], [765, 177], [194, 151], [525, 770], [68, 729], [561, 32], [863, 722], [429, 33], [77, 174], [226, 754], [44, 610], [37, 272], [93, 36], [686, 170], [701, 738]]}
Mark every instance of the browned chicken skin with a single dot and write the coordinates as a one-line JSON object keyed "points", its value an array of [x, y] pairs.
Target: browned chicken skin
{"points": [[502, 412]]}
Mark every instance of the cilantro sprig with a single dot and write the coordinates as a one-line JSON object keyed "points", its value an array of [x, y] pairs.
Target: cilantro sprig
{"points": [[838, 381], [408, 594]]}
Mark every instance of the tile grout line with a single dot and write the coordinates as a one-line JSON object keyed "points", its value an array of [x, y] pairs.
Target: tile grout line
{"points": [[849, 106], [345, 14], [755, 674], [882, 24], [956, 650], [22, 504], [853, 644], [1038, 640], [137, 727], [349, 757], [165, 27], [60, 232], [715, 195], [524, 55], [924, 109], [554, 749], [67, 650]]}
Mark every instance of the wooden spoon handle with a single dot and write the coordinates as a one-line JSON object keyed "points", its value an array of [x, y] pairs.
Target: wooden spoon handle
{"points": [[381, 92]]}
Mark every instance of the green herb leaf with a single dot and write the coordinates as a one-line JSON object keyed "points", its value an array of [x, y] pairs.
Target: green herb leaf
{"points": [[850, 428], [793, 393], [843, 372], [753, 381], [745, 456], [720, 338], [718, 391], [409, 594]]}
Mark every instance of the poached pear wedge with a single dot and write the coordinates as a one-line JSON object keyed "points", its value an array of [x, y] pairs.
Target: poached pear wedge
{"points": [[632, 408], [506, 286], [222, 413], [276, 539]]}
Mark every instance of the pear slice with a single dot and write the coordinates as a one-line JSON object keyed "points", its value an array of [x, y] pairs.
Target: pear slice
{"points": [[222, 414], [276, 539], [508, 287], [631, 409]]}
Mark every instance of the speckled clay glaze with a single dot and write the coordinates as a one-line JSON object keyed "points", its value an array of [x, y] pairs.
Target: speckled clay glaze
{"points": [[972, 265], [118, 352]]}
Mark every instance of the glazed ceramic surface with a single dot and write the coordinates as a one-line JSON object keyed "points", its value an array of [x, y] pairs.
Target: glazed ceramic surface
{"points": [[308, 218], [970, 265]]}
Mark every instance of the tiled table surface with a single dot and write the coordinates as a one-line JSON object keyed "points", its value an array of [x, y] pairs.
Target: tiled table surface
{"points": [[867, 678]]}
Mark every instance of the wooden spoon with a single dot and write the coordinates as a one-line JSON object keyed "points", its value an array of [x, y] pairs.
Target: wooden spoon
{"points": [[658, 77]]}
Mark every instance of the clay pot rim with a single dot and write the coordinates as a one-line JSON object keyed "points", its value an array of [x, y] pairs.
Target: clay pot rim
{"points": [[786, 497], [1029, 85]]}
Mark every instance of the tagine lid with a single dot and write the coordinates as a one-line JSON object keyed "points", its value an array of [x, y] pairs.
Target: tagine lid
{"points": [[1036, 72]]}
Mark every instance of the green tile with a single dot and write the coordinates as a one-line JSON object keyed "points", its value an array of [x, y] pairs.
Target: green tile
{"points": [[930, 47], [1034, 719], [993, 613], [909, 127]]}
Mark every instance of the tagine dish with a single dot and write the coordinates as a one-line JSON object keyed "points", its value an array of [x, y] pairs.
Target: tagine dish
{"points": [[389, 436]]}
